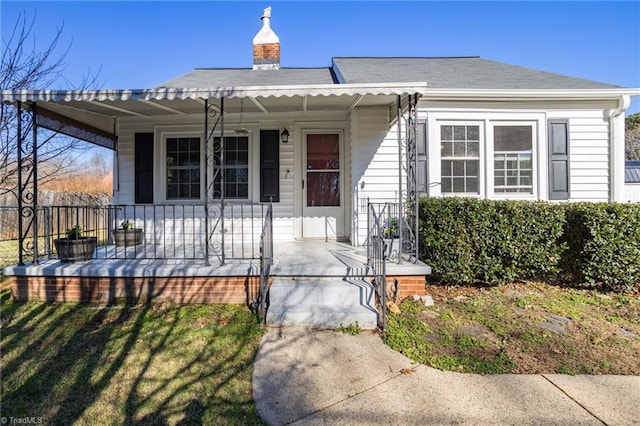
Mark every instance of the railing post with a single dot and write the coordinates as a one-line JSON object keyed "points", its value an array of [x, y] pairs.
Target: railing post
{"points": [[47, 230]]}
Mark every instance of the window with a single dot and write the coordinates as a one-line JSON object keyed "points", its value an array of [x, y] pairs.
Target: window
{"points": [[183, 168], [235, 168], [460, 158], [513, 166]]}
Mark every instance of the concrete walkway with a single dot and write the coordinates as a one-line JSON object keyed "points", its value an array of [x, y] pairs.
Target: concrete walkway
{"points": [[306, 376]]}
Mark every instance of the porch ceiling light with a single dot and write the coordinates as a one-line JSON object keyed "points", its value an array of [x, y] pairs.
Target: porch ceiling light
{"points": [[284, 135]]}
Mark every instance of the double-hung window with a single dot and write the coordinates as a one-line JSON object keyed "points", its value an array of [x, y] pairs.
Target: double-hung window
{"points": [[233, 164], [183, 168], [513, 159], [460, 159]]}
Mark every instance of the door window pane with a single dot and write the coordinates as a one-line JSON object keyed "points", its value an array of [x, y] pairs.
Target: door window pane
{"points": [[323, 189], [323, 152]]}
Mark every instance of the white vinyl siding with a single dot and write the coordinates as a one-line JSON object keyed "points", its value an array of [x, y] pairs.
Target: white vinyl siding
{"points": [[374, 172], [589, 154]]}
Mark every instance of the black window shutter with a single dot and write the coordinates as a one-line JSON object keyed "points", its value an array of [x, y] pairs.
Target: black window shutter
{"points": [[143, 163], [269, 165], [558, 159], [421, 148]]}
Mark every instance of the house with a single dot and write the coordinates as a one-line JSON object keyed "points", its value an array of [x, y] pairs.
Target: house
{"points": [[632, 181], [340, 153]]}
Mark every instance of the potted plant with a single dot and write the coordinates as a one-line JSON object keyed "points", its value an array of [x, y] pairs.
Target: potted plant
{"points": [[391, 236], [126, 235], [75, 247]]}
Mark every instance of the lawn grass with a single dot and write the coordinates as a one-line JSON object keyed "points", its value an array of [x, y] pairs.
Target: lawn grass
{"points": [[152, 363], [502, 330]]}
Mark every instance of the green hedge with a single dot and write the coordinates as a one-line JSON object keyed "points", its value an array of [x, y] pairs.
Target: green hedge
{"points": [[603, 243], [466, 240]]}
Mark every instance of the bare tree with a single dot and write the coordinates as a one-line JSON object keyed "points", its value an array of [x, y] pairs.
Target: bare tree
{"points": [[23, 67], [632, 137]]}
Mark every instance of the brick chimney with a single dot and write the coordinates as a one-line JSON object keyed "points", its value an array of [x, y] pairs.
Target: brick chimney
{"points": [[266, 45]]}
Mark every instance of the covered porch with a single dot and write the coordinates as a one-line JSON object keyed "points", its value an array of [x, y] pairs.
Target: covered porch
{"points": [[111, 118], [213, 248]]}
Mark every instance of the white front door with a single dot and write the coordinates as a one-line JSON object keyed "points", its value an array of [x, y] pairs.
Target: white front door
{"points": [[322, 194]]}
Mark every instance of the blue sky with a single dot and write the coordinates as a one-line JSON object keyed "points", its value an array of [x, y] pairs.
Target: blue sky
{"points": [[143, 44]]}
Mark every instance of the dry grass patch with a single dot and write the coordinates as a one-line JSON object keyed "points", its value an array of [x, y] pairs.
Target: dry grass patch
{"points": [[518, 328]]}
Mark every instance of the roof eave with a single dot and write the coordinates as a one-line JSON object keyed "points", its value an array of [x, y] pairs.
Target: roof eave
{"points": [[169, 93]]}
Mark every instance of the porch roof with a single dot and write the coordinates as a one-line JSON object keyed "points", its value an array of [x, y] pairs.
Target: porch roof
{"points": [[93, 114]]}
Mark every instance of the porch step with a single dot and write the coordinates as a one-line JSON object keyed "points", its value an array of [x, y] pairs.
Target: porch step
{"points": [[322, 302]]}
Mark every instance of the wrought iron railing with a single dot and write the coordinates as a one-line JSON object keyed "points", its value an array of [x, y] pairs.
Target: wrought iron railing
{"points": [[400, 241], [266, 261], [376, 260], [172, 231]]}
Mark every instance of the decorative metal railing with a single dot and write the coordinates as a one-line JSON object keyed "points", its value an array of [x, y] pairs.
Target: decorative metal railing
{"points": [[172, 231], [376, 259], [398, 235], [266, 261], [407, 200]]}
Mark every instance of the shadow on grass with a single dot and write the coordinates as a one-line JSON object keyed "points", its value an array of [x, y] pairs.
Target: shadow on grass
{"points": [[151, 363]]}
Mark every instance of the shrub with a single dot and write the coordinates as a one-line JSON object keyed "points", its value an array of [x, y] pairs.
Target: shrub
{"points": [[466, 240], [603, 245]]}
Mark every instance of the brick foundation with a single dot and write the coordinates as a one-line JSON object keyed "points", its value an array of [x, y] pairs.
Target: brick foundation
{"points": [[228, 290], [408, 285]]}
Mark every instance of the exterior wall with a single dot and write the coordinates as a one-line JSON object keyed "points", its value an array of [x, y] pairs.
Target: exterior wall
{"points": [[589, 143], [286, 212], [371, 151], [632, 192], [374, 172], [589, 154]]}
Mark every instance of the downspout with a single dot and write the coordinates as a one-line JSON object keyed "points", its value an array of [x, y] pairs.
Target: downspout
{"points": [[616, 149]]}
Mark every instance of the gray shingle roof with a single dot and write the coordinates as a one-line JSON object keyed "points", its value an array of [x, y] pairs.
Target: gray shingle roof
{"points": [[228, 77], [456, 73], [632, 172]]}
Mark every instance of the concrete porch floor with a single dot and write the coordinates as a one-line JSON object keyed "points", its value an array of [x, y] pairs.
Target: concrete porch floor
{"points": [[307, 258]]}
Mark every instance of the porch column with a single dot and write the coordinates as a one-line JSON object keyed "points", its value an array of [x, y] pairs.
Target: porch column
{"points": [[27, 162], [206, 181], [400, 212], [214, 199], [19, 186], [34, 117]]}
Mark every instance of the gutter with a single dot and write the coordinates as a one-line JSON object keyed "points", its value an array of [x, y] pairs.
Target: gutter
{"points": [[578, 94]]}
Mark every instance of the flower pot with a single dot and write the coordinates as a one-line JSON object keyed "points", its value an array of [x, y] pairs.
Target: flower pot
{"points": [[391, 247], [77, 250], [127, 237]]}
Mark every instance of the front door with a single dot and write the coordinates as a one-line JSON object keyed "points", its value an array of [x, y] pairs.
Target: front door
{"points": [[322, 195]]}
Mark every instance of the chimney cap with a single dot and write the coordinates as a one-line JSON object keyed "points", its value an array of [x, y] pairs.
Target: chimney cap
{"points": [[266, 13]]}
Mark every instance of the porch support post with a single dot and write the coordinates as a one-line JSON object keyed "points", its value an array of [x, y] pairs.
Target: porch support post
{"points": [[207, 238], [416, 198], [400, 212], [34, 117], [19, 186], [222, 178]]}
